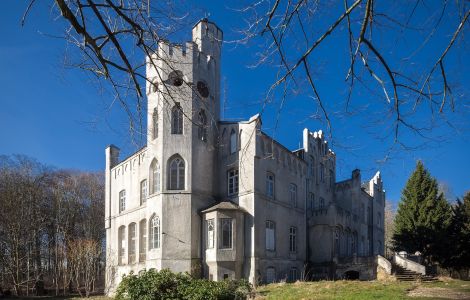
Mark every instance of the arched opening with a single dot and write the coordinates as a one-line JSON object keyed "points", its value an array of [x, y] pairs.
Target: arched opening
{"points": [[176, 168], [177, 119], [351, 275]]}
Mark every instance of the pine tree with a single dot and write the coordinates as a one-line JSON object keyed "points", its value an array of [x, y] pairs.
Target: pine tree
{"points": [[459, 235], [423, 217]]}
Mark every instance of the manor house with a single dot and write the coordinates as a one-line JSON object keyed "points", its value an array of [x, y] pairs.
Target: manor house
{"points": [[222, 199]]}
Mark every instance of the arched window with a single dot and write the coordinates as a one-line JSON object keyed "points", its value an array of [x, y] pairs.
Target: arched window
{"points": [[292, 239], [142, 240], [176, 176], [154, 237], [202, 130], [233, 141], [132, 232], [270, 275], [270, 185], [121, 244], [336, 245], [155, 123], [154, 177], [177, 119], [293, 194], [311, 197], [225, 233]]}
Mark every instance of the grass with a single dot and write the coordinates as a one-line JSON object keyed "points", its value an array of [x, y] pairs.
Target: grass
{"points": [[359, 290]]}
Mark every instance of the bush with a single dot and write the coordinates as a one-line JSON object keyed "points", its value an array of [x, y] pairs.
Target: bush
{"points": [[164, 284]]}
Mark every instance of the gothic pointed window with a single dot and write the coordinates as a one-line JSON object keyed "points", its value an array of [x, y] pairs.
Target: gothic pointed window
{"points": [[202, 130], [154, 177], [233, 141], [155, 124], [154, 236], [177, 173], [210, 233], [177, 120]]}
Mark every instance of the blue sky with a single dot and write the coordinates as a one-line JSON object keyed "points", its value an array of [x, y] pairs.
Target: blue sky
{"points": [[59, 116]]}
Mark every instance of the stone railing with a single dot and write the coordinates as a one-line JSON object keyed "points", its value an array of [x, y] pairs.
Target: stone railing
{"points": [[409, 264], [384, 264]]}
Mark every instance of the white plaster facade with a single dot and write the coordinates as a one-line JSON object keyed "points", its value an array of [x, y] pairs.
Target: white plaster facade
{"points": [[222, 199]]}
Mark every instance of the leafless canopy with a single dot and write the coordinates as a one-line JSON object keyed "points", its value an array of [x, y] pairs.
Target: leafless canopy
{"points": [[296, 34]]}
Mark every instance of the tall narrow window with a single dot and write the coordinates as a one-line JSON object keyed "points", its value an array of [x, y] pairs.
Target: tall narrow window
{"points": [[233, 141], [177, 120], [292, 239], [210, 233], [270, 185], [233, 182], [226, 233], [176, 178], [270, 235], [142, 240], [121, 244], [155, 123], [143, 191], [336, 243], [122, 200], [293, 194], [202, 130], [322, 203], [311, 167], [154, 177], [332, 179], [132, 239], [154, 232], [311, 200], [379, 219], [322, 173]]}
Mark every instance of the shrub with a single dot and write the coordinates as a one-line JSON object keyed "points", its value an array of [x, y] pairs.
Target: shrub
{"points": [[164, 284]]}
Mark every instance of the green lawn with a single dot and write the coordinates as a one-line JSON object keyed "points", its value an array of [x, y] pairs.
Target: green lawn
{"points": [[365, 290]]}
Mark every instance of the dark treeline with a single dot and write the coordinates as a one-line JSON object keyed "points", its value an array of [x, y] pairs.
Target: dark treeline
{"points": [[51, 228]]}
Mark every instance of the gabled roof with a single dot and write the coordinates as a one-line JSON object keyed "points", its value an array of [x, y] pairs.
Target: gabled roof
{"points": [[223, 205]]}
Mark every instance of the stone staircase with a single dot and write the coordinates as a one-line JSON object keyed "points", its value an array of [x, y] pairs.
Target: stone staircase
{"points": [[403, 274]]}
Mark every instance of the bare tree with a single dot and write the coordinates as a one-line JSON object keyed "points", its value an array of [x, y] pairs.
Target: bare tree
{"points": [[83, 256], [417, 94], [389, 223]]}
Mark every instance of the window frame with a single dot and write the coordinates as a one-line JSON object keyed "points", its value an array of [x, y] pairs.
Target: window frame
{"points": [[122, 200], [293, 194], [223, 222], [293, 239], [177, 120], [270, 227], [176, 169], [143, 191], [154, 233], [270, 184], [233, 182], [233, 141]]}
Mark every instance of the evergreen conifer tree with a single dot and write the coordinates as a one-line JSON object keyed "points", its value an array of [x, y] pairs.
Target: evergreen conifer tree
{"points": [[423, 217], [459, 236]]}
